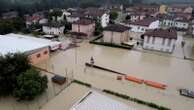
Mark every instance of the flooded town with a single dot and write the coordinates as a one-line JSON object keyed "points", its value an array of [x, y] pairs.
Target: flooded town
{"points": [[97, 55]]}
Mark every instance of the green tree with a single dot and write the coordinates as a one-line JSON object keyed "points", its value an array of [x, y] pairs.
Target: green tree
{"points": [[11, 25], [98, 28], [11, 65], [30, 84], [113, 15], [128, 17]]}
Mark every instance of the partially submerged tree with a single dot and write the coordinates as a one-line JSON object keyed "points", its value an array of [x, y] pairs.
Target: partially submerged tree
{"points": [[30, 84], [98, 28], [11, 65], [113, 15]]}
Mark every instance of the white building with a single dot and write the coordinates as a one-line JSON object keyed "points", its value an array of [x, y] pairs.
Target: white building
{"points": [[73, 18], [160, 39], [101, 15], [53, 28], [143, 25], [116, 34], [37, 49], [166, 21], [182, 24], [96, 101]]}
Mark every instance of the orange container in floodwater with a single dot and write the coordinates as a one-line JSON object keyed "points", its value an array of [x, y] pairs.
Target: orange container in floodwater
{"points": [[134, 79], [155, 84]]}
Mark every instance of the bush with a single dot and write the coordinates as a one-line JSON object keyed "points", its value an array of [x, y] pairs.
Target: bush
{"points": [[30, 84], [152, 105]]}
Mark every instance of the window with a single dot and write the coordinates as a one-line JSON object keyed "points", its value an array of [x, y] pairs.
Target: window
{"points": [[169, 42], [138, 28], [45, 52], [163, 41], [148, 39], [38, 55]]}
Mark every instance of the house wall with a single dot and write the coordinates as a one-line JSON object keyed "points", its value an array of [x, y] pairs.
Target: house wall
{"points": [[39, 56], [115, 37], [137, 17], [53, 30], [72, 19], [183, 25], [105, 19], [159, 44], [137, 28], [87, 29], [154, 24], [167, 23]]}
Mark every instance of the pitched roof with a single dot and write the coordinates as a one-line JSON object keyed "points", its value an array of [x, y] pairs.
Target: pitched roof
{"points": [[145, 22], [84, 22], [95, 12], [116, 28], [163, 33], [54, 24]]}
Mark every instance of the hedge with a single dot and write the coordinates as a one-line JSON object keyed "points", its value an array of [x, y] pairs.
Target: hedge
{"points": [[149, 104], [111, 45]]}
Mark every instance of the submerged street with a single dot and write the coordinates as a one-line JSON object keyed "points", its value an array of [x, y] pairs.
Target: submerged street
{"points": [[176, 73]]}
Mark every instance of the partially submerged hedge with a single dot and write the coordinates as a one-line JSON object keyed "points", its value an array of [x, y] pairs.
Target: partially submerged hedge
{"points": [[150, 104]]}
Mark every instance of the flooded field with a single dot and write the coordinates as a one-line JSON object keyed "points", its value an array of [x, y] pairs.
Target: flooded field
{"points": [[175, 72]]}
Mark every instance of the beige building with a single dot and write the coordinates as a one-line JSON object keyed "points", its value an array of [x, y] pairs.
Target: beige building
{"points": [[116, 34], [163, 9], [85, 26]]}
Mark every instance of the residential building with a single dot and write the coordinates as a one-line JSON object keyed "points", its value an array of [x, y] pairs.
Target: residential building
{"points": [[85, 26], [35, 19], [116, 33], [163, 9], [160, 39], [53, 28], [10, 15], [181, 24], [179, 8], [37, 49], [143, 25], [166, 21], [136, 16], [74, 17], [100, 14]]}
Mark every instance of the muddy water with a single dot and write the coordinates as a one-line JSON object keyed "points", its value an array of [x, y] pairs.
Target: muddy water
{"points": [[176, 73]]}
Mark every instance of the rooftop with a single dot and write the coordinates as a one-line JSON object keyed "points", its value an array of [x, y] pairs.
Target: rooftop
{"points": [[22, 43], [54, 24], [163, 33], [96, 101], [145, 22], [84, 22], [116, 28]]}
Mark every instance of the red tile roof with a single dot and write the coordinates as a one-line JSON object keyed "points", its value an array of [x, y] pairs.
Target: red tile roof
{"points": [[116, 28], [163, 33], [84, 22], [145, 22]]}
